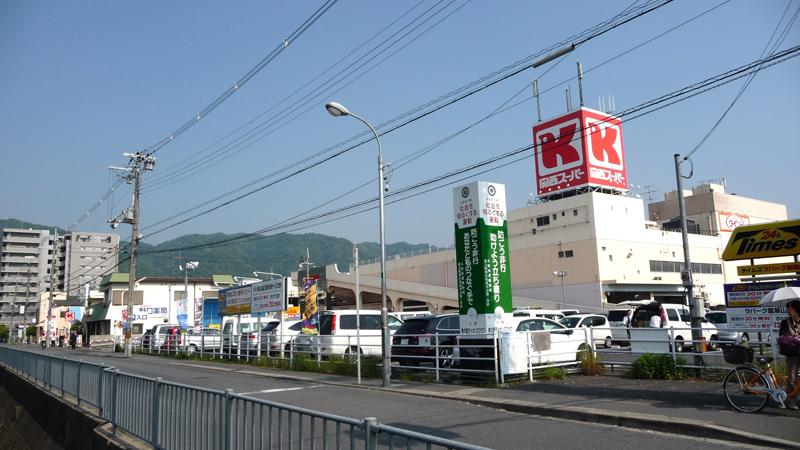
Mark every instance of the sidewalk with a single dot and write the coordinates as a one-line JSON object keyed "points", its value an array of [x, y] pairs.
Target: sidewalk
{"points": [[694, 408]]}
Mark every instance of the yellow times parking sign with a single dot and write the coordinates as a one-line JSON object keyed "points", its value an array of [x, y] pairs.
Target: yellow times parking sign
{"points": [[764, 240]]}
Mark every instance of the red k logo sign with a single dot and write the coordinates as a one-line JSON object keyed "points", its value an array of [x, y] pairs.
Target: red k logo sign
{"points": [[558, 147], [556, 150], [605, 144]]}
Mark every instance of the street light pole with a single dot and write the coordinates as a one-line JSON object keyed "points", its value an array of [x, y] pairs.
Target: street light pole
{"points": [[561, 274], [336, 110]]}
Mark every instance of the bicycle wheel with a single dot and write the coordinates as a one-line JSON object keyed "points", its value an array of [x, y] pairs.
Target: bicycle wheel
{"points": [[746, 389]]}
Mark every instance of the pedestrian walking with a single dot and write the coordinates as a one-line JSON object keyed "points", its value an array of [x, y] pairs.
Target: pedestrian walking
{"points": [[789, 346]]}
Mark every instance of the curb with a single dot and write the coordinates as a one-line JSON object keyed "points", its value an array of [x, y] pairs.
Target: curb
{"points": [[666, 424]]}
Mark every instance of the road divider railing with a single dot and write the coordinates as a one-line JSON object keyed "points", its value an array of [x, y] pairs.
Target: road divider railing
{"points": [[704, 353], [169, 415]]}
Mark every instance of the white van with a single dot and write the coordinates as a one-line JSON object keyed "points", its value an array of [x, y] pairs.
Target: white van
{"points": [[337, 331], [231, 335], [672, 316]]}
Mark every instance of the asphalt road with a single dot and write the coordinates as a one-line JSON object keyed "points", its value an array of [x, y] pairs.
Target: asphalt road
{"points": [[450, 419]]}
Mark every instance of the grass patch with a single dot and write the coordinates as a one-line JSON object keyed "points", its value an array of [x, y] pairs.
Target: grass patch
{"points": [[658, 367], [333, 364], [554, 373], [590, 364]]}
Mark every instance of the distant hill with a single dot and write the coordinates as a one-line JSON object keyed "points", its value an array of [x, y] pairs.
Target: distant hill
{"points": [[19, 223], [280, 253]]}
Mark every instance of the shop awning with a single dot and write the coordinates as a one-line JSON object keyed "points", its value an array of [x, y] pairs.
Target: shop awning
{"points": [[96, 313]]}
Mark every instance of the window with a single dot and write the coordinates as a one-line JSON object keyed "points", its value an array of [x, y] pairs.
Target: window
{"points": [[560, 254], [555, 216], [574, 212], [611, 257], [533, 230], [569, 253], [297, 327], [563, 213], [542, 221], [551, 326], [672, 315], [449, 323], [394, 323]]}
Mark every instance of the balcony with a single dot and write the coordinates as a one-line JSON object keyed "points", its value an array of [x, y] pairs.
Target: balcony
{"points": [[15, 238], [9, 248], [20, 259]]}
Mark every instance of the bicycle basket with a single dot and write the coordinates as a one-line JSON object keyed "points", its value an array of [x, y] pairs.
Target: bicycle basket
{"points": [[735, 354]]}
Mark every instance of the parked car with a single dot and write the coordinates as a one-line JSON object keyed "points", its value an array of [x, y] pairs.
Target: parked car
{"points": [[565, 344], [725, 336], [534, 312], [158, 335], [672, 316], [601, 331], [231, 335], [569, 312], [273, 336], [417, 340], [618, 321], [203, 340], [405, 315], [337, 331], [172, 339], [147, 339]]}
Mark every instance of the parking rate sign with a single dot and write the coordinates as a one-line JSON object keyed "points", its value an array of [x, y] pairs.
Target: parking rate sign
{"points": [[482, 257]]}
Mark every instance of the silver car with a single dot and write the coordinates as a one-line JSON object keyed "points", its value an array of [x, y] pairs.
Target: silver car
{"points": [[725, 335]]}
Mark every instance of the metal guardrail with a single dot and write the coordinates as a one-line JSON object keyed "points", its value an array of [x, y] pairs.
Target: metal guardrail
{"points": [[169, 415]]}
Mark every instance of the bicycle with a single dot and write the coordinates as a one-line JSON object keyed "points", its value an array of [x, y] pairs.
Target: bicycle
{"points": [[747, 389]]}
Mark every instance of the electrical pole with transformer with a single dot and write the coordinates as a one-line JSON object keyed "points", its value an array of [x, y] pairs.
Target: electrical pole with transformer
{"points": [[133, 172]]}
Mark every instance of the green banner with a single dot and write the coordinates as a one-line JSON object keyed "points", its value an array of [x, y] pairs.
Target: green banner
{"points": [[482, 257]]}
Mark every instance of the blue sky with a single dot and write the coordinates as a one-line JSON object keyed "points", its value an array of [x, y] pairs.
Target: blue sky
{"points": [[82, 82]]}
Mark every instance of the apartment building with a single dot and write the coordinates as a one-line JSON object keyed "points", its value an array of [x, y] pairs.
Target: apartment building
{"points": [[26, 263]]}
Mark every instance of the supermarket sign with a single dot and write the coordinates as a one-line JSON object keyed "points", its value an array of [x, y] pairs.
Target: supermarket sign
{"points": [[743, 310]]}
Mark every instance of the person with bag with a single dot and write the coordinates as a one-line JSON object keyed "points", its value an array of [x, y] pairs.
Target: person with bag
{"points": [[789, 346]]}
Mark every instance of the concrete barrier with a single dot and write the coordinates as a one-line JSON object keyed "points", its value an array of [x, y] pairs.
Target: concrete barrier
{"points": [[69, 426]]}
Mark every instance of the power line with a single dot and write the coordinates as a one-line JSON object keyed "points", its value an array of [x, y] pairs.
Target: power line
{"points": [[752, 76], [435, 105], [259, 132], [635, 112], [244, 79]]}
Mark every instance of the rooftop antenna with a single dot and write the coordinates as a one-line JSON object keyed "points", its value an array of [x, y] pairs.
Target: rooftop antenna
{"points": [[580, 84], [601, 102], [569, 99], [538, 102], [613, 104]]}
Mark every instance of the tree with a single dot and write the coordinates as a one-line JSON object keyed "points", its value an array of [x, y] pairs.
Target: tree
{"points": [[3, 333], [77, 327], [30, 332]]}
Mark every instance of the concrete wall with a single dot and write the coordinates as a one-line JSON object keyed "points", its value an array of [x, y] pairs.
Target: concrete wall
{"points": [[66, 424]]}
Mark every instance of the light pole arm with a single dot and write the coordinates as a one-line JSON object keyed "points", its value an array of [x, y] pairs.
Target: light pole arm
{"points": [[377, 138]]}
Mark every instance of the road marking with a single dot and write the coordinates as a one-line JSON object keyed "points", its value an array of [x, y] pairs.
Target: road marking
{"points": [[270, 391], [221, 369]]}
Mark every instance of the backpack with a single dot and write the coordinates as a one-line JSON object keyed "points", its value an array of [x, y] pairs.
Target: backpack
{"points": [[789, 345]]}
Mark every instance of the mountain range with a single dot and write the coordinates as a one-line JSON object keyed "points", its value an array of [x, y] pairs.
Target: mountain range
{"points": [[240, 254]]}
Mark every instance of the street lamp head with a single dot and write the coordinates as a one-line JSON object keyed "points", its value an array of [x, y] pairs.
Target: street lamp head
{"points": [[337, 109]]}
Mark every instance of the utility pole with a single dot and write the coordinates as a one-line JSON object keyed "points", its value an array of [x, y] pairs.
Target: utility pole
{"points": [[47, 339], [695, 308], [27, 298], [133, 173], [11, 335], [358, 314]]}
